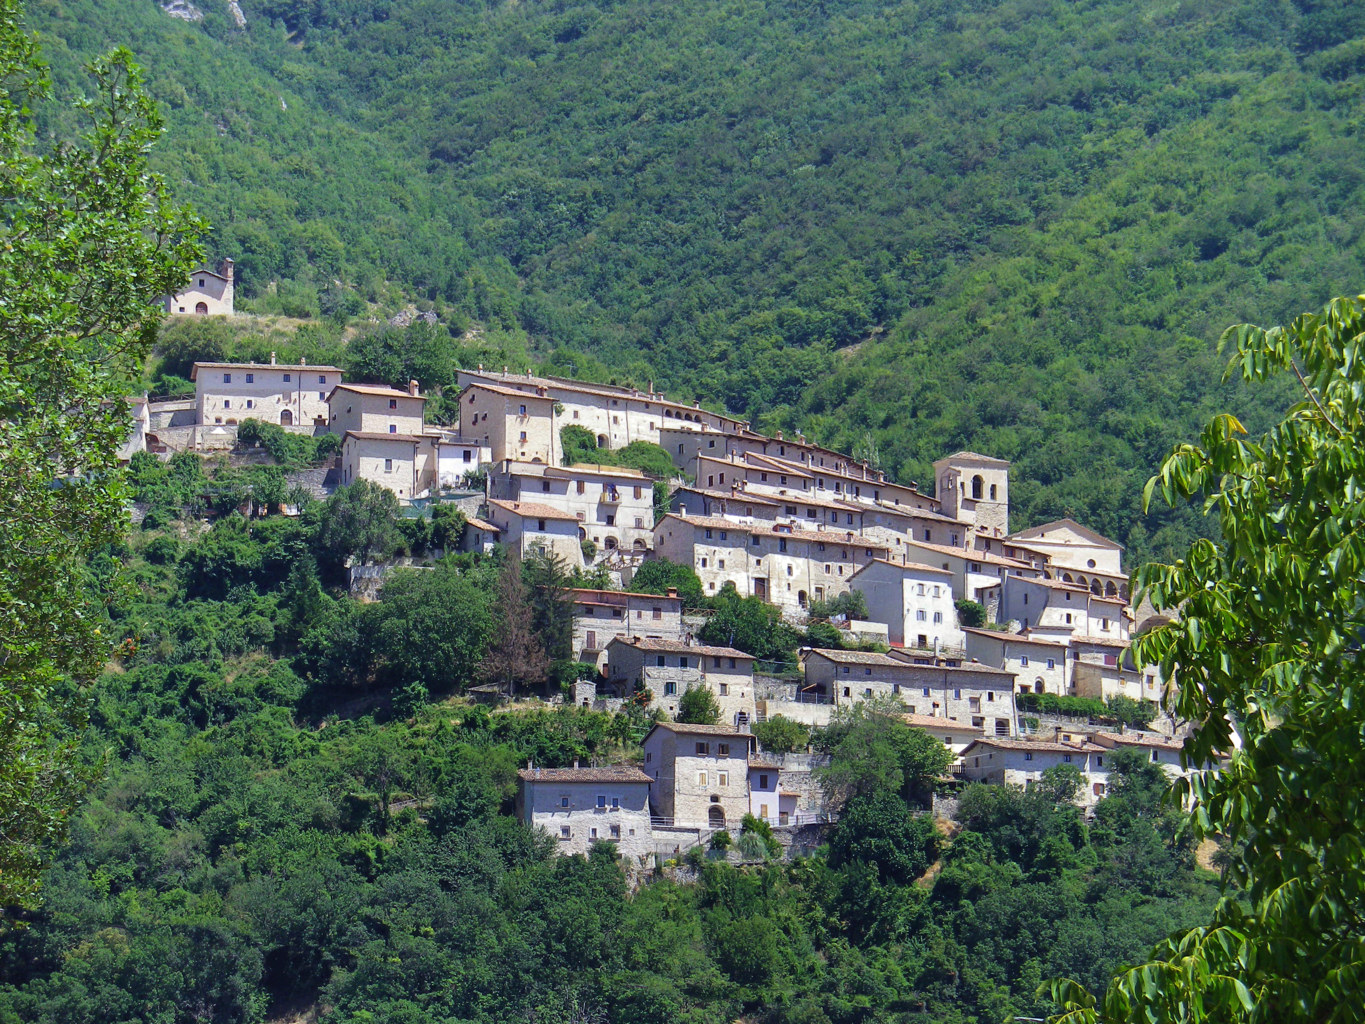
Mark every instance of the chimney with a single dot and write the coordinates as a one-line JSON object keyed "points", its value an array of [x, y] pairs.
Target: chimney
{"points": [[651, 387], [575, 763], [272, 358], [225, 268], [302, 361], [779, 435], [682, 510], [672, 591], [412, 388], [529, 764], [504, 371]]}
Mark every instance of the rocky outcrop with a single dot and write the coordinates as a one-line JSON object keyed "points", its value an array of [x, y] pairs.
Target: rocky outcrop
{"points": [[182, 9], [236, 11]]}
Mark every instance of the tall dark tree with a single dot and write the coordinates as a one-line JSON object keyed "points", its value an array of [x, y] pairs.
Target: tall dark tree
{"points": [[516, 658]]}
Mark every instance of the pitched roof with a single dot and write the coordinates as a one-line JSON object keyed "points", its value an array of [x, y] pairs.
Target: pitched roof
{"points": [[858, 658], [1046, 746], [972, 456], [1056, 584], [379, 435], [678, 647], [624, 593], [532, 510], [480, 524], [970, 555], [251, 367], [906, 566], [1105, 739], [507, 392], [937, 722], [1099, 641], [379, 390], [611, 773], [732, 495], [1014, 638], [687, 729], [1035, 533]]}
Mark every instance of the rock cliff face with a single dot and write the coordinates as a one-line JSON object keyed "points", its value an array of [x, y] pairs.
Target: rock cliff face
{"points": [[183, 9], [236, 12]]}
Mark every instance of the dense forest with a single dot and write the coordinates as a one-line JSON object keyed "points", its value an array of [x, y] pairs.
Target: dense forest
{"points": [[1010, 225], [300, 811]]}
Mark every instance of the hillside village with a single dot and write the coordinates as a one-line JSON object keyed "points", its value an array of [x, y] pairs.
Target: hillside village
{"points": [[967, 624]]}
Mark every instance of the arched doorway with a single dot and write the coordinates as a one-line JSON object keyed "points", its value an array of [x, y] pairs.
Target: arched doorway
{"points": [[640, 547], [611, 544], [715, 816], [601, 440], [287, 418], [801, 598], [202, 308]]}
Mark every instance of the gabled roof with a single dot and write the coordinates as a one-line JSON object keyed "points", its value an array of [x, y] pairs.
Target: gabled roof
{"points": [[1144, 740], [971, 457], [654, 646], [1045, 746], [903, 566], [532, 510], [684, 729], [610, 773], [587, 592], [376, 390], [970, 555], [856, 658], [257, 367], [1036, 532], [1014, 638], [379, 435], [732, 495], [507, 392], [938, 722]]}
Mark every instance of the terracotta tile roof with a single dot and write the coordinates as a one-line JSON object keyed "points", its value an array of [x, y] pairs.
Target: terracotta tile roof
{"points": [[507, 392], [858, 658], [909, 566], [685, 729], [1014, 638], [251, 367], [565, 384], [379, 435], [969, 555], [736, 495], [380, 390], [1046, 746], [936, 722], [678, 647], [1106, 739], [612, 773], [587, 591], [1057, 585], [532, 510], [1099, 641], [480, 524]]}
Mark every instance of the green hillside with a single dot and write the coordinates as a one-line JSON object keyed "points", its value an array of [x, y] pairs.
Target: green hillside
{"points": [[906, 228]]}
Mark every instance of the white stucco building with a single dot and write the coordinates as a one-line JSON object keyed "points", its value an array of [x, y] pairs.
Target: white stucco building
{"points": [[914, 600], [209, 293]]}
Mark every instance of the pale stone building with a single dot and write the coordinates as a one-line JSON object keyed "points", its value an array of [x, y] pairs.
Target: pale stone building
{"points": [[699, 774], [292, 395], [403, 463], [614, 415], [914, 600], [1042, 665], [614, 505], [1154, 747], [974, 694], [458, 459], [1021, 763], [511, 424], [975, 573], [480, 536], [370, 409], [600, 616], [669, 668], [530, 528], [956, 736], [582, 806], [975, 489], [210, 293]]}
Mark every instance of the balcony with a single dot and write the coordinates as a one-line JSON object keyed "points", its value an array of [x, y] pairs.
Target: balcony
{"points": [[611, 496]]}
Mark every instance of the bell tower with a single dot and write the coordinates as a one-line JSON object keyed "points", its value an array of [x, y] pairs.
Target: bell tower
{"points": [[975, 489]]}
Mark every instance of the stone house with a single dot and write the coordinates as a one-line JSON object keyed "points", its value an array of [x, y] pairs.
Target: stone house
{"points": [[457, 458], [511, 424], [975, 489], [767, 799], [1042, 664], [974, 694], [741, 506], [669, 668], [1021, 763], [210, 293], [479, 535], [1077, 554], [581, 806], [914, 600], [1043, 605], [600, 616], [615, 415], [975, 572], [614, 505], [699, 773], [292, 395], [530, 528], [404, 463], [369, 409]]}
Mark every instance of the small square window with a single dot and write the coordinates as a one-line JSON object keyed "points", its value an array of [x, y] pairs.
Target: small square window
{"points": [[286, 378], [251, 378], [723, 749], [563, 801]]}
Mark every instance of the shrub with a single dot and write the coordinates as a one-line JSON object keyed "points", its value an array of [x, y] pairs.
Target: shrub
{"points": [[1138, 713], [852, 603], [1070, 707], [781, 735], [721, 841], [699, 706], [971, 614]]}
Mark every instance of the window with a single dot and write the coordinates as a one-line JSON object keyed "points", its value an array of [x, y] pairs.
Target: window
{"points": [[708, 534], [563, 801], [1068, 618], [388, 465], [703, 563], [701, 779], [601, 801], [703, 749], [1051, 662], [638, 493], [616, 803], [227, 378], [545, 486], [723, 749], [732, 662], [919, 615], [682, 663], [763, 782], [592, 833], [322, 396], [938, 617], [540, 525], [523, 435], [1066, 758], [251, 405], [1023, 661], [563, 832], [670, 689], [1104, 622], [920, 590], [468, 455], [322, 378], [722, 778], [287, 379], [251, 378], [227, 403], [393, 403], [521, 410], [393, 429], [926, 691], [660, 661], [1156, 756], [725, 689], [957, 695], [1028, 755], [1099, 761]]}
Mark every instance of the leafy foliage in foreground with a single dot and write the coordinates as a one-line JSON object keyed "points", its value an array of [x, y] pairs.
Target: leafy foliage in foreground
{"points": [[1268, 645]]}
